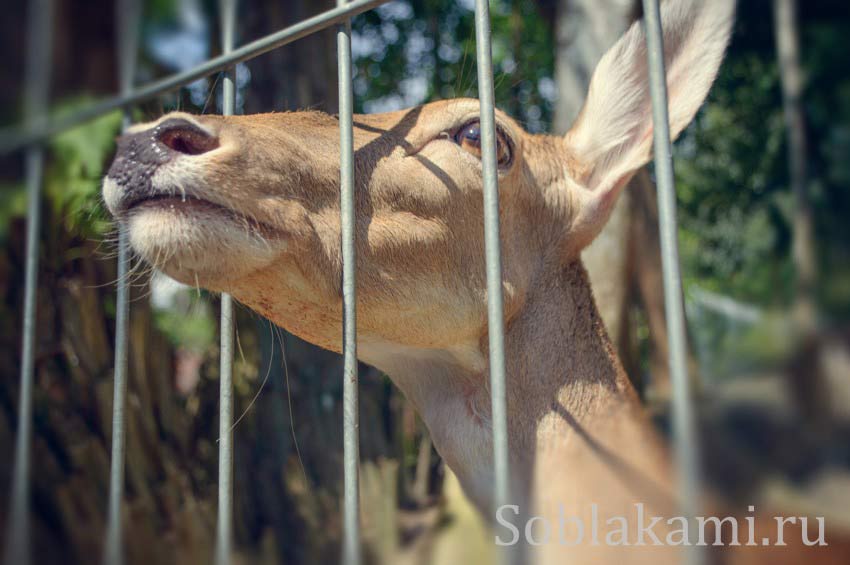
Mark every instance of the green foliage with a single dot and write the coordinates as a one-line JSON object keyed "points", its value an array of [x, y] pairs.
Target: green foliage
{"points": [[189, 322], [13, 204], [736, 208], [410, 52], [78, 158], [160, 10]]}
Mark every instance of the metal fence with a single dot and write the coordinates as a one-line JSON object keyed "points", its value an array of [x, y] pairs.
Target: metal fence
{"points": [[37, 128]]}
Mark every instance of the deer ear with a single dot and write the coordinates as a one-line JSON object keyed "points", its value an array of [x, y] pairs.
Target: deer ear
{"points": [[612, 137]]}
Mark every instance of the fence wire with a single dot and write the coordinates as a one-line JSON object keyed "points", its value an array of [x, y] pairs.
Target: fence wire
{"points": [[224, 529], [352, 552], [493, 255], [128, 16]]}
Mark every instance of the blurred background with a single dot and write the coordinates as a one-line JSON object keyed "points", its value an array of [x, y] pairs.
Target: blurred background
{"points": [[765, 244]]}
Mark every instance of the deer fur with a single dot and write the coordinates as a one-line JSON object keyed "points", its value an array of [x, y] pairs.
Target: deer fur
{"points": [[250, 205]]}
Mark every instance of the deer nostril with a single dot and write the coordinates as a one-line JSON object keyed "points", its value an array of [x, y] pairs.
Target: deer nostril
{"points": [[184, 137]]}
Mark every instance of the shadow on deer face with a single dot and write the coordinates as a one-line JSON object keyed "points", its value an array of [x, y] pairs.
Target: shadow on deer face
{"points": [[250, 204]]}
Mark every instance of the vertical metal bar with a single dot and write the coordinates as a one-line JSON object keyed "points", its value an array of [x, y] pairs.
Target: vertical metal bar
{"points": [[38, 55], [495, 306], [128, 13], [351, 550], [224, 531], [684, 425]]}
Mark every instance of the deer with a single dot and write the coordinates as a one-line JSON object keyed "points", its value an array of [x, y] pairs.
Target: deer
{"points": [[249, 205]]}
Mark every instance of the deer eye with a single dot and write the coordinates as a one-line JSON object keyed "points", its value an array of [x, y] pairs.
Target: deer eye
{"points": [[469, 138]]}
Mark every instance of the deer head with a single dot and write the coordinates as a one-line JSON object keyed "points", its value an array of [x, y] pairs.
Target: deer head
{"points": [[250, 205]]}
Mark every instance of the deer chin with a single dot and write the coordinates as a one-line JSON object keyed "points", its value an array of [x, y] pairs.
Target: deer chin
{"points": [[201, 243]]}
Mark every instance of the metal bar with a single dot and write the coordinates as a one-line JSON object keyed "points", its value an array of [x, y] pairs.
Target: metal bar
{"points": [[493, 253], [224, 531], [16, 138], [351, 551], [39, 45], [128, 13], [684, 425]]}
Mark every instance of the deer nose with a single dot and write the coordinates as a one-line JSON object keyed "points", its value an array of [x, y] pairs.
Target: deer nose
{"points": [[141, 153], [182, 136]]}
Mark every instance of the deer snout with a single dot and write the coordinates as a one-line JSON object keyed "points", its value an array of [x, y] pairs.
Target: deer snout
{"points": [[141, 154], [183, 137]]}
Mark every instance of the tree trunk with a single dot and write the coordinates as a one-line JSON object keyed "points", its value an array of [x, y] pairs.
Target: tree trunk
{"points": [[811, 389], [169, 505], [584, 30], [791, 73]]}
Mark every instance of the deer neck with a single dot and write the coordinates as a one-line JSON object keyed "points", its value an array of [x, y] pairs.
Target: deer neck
{"points": [[577, 434]]}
